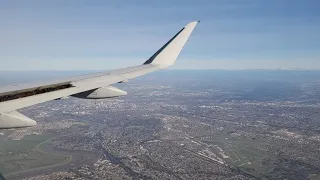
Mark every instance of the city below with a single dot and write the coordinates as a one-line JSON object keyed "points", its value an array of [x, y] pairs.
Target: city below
{"points": [[177, 124]]}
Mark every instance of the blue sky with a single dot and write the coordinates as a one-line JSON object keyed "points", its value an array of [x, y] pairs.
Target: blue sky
{"points": [[108, 34]]}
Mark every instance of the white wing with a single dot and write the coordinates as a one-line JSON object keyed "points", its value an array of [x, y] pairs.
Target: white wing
{"points": [[96, 85]]}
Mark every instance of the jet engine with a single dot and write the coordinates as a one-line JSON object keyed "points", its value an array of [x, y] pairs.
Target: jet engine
{"points": [[101, 93]]}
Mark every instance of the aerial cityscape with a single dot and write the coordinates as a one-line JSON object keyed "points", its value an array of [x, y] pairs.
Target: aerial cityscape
{"points": [[177, 124], [160, 90]]}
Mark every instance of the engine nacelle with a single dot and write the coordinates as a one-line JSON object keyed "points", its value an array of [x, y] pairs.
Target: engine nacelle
{"points": [[101, 93]]}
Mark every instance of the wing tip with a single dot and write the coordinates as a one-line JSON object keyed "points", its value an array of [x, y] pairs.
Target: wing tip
{"points": [[192, 22]]}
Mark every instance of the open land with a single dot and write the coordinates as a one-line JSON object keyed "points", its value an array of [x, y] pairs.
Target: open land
{"points": [[176, 125]]}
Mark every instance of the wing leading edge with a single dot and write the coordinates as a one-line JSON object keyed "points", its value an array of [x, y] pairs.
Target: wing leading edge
{"points": [[22, 95]]}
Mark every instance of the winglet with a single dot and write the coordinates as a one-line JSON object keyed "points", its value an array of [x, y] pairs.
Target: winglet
{"points": [[168, 53]]}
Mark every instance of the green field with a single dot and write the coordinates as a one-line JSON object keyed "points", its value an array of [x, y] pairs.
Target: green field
{"points": [[17, 155], [25, 154], [239, 152]]}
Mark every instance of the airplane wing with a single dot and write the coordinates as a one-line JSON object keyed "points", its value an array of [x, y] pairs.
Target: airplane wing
{"points": [[92, 86]]}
